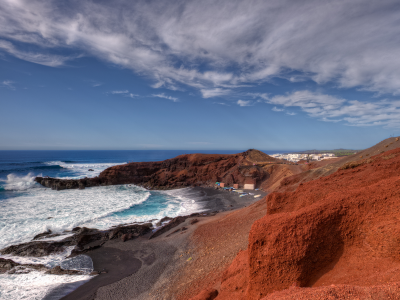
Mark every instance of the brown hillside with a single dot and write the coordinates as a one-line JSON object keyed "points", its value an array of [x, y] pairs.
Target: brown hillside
{"points": [[255, 156], [338, 234]]}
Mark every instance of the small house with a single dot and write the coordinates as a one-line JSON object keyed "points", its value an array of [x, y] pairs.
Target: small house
{"points": [[249, 184]]}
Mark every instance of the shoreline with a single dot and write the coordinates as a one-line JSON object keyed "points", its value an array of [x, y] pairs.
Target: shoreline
{"points": [[141, 263]]}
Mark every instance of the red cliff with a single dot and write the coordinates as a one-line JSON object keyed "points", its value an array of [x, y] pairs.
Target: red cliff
{"points": [[335, 237]]}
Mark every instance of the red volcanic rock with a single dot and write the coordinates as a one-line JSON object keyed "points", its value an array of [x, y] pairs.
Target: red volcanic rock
{"points": [[208, 294], [387, 292], [234, 281], [186, 170], [181, 171], [342, 229]]}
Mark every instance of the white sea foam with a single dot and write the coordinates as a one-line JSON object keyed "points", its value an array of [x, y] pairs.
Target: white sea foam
{"points": [[81, 170], [36, 285], [38, 210], [35, 209], [18, 183], [49, 261], [188, 200]]}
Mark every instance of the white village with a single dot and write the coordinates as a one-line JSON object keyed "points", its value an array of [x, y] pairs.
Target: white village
{"points": [[295, 157]]}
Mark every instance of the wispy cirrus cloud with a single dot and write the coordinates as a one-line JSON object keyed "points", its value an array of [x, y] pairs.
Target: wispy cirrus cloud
{"points": [[244, 103], [46, 59], [96, 83], [335, 109], [174, 99], [124, 93], [218, 48], [8, 84], [120, 92], [216, 92], [215, 47]]}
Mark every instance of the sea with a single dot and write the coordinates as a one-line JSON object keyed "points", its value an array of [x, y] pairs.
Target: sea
{"points": [[27, 209]]}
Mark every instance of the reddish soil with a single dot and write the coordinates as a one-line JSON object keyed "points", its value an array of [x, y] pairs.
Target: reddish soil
{"points": [[346, 292], [214, 245], [342, 230], [278, 172]]}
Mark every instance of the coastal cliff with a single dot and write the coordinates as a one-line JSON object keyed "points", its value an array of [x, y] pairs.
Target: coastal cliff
{"points": [[181, 171], [334, 237]]}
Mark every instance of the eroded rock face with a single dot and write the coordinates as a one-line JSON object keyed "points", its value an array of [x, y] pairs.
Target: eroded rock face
{"points": [[181, 171], [335, 230], [342, 229]]}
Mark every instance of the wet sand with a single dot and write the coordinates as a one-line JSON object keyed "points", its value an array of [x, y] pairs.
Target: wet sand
{"points": [[146, 269]]}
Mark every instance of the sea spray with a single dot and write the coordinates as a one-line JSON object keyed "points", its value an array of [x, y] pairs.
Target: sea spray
{"points": [[18, 183]]}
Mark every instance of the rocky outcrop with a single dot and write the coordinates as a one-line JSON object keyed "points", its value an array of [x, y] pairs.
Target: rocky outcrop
{"points": [[35, 249], [84, 239], [8, 266], [181, 171]]}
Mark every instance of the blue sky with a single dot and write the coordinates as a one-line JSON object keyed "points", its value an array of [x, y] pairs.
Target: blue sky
{"points": [[270, 75]]}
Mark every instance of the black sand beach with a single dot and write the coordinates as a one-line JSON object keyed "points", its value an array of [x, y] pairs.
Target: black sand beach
{"points": [[135, 268]]}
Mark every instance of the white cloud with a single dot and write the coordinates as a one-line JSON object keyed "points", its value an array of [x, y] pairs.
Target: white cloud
{"points": [[120, 92], [221, 103], [291, 113], [174, 99], [334, 109], [35, 57], [198, 43], [209, 93], [124, 93], [9, 84], [244, 103], [277, 109]]}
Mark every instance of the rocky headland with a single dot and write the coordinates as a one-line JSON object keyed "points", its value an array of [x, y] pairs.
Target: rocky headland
{"points": [[181, 171]]}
